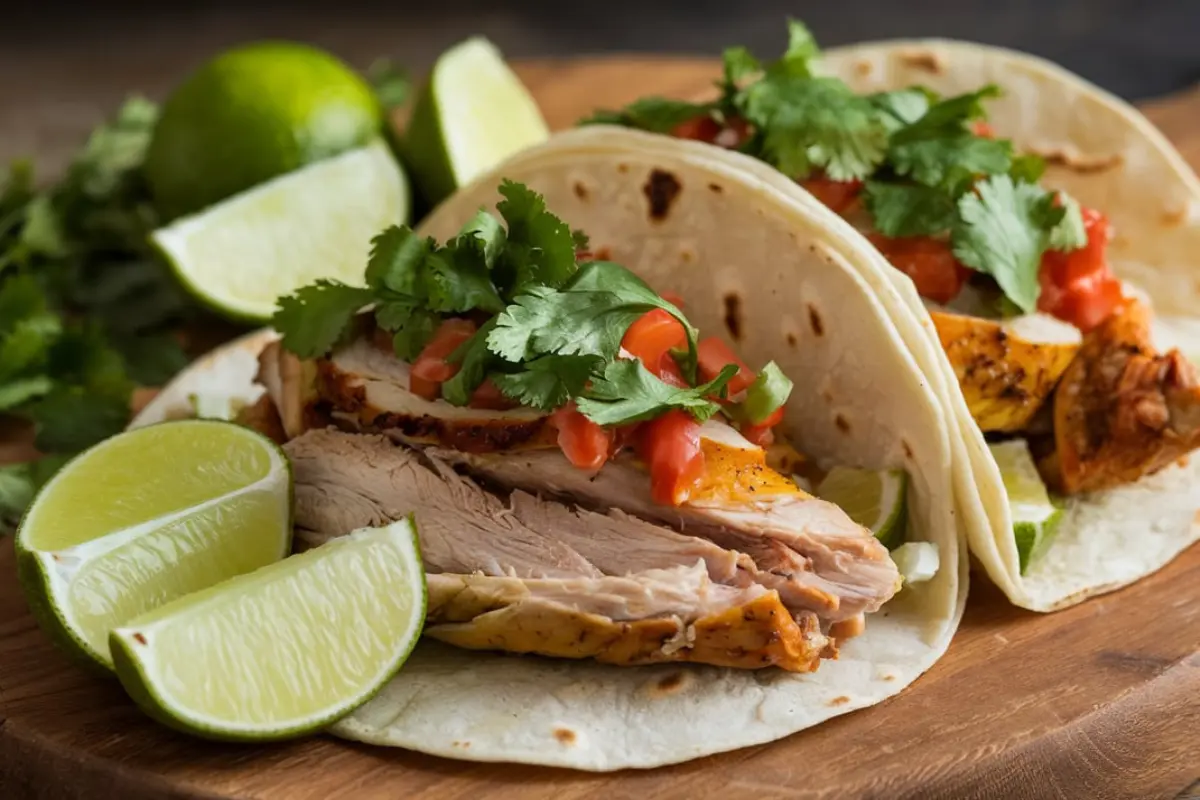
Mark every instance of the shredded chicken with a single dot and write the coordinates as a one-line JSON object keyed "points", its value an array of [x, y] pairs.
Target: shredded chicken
{"points": [[1123, 410]]}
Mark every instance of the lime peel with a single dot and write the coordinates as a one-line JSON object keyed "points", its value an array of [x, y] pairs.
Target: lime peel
{"points": [[305, 641], [875, 500]]}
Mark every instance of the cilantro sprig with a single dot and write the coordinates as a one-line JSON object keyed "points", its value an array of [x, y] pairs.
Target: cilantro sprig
{"points": [[926, 169], [553, 328]]}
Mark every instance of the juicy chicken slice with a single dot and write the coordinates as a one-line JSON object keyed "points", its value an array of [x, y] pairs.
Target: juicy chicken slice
{"points": [[650, 617], [1123, 410], [821, 559], [538, 577], [1004, 379]]}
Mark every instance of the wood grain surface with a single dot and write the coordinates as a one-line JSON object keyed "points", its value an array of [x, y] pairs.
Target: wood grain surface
{"points": [[1101, 701]]}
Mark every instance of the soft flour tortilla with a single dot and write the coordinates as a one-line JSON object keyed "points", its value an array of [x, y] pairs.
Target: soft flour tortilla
{"points": [[1108, 156], [743, 256]]}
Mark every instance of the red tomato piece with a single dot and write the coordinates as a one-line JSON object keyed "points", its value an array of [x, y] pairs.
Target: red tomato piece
{"points": [[585, 444], [708, 130], [837, 195], [431, 370], [651, 337], [673, 299], [488, 395], [929, 262], [763, 434], [1077, 287], [713, 355], [670, 446], [981, 128]]}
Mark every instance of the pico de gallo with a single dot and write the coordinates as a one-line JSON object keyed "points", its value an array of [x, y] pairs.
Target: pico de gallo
{"points": [[494, 322]]}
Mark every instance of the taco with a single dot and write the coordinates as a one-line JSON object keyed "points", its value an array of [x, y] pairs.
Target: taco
{"points": [[612, 439], [1038, 239]]}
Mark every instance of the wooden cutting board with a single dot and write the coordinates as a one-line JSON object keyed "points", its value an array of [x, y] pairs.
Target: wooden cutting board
{"points": [[1098, 701]]}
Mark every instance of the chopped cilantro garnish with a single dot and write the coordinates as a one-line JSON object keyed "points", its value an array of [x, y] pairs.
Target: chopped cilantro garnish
{"points": [[1003, 230], [628, 392], [909, 209], [548, 382], [770, 390]]}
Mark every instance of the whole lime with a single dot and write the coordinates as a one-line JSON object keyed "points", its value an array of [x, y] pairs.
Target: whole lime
{"points": [[253, 113]]}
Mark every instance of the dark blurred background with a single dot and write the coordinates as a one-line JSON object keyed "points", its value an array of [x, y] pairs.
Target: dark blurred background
{"points": [[62, 64]]}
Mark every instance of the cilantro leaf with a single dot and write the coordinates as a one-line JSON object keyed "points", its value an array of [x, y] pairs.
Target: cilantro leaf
{"points": [[486, 233], [27, 344], [738, 63], [628, 392], [390, 81], [152, 360], [315, 317], [397, 255], [1003, 230], [540, 250], [1027, 168], [71, 418], [412, 332], [654, 114], [949, 116], [950, 162], [544, 321], [906, 209], [474, 360], [769, 391], [801, 51], [16, 492], [457, 279], [807, 123], [549, 382], [581, 239], [15, 393], [1069, 234], [903, 106]]}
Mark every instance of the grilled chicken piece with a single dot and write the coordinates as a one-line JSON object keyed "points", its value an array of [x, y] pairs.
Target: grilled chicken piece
{"points": [[828, 563], [1004, 378], [651, 617], [370, 386], [262, 416], [1123, 410], [521, 585]]}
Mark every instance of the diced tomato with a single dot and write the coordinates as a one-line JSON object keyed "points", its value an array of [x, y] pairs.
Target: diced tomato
{"points": [[488, 395], [763, 434], [837, 195], [929, 262], [670, 446], [1078, 287], [708, 130], [714, 355], [669, 372], [431, 369], [673, 299], [651, 338], [980, 127], [583, 442]]}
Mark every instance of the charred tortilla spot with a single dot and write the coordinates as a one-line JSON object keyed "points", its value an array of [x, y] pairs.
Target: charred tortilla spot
{"points": [[1081, 163], [564, 735], [716, 187], [672, 683], [581, 191], [733, 315], [840, 700], [863, 68], [1174, 217], [622, 168], [790, 338], [926, 60], [603, 254], [842, 423], [908, 451], [814, 320], [661, 189]]}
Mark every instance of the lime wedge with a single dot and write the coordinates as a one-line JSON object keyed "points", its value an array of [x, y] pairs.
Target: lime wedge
{"points": [[283, 651], [241, 255], [146, 517], [875, 500], [917, 562], [1035, 516], [471, 114]]}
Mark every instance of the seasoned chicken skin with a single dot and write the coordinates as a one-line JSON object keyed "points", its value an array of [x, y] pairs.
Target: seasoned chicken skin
{"points": [[1005, 379], [1123, 410]]}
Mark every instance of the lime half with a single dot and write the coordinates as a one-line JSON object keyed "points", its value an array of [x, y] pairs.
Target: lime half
{"points": [[242, 255], [473, 113], [146, 517], [283, 651], [875, 500], [1035, 516]]}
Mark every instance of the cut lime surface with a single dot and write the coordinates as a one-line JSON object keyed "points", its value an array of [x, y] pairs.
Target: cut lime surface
{"points": [[1035, 516], [473, 113], [875, 500], [251, 114], [240, 256], [146, 517], [917, 562], [283, 651]]}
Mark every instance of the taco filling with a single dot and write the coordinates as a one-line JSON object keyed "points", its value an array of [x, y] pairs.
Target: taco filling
{"points": [[591, 477], [1047, 344]]}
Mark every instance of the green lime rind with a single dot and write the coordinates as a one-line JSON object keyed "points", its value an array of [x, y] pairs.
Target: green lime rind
{"points": [[238, 257], [134, 652], [877, 500], [48, 592], [251, 114], [1036, 516]]}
